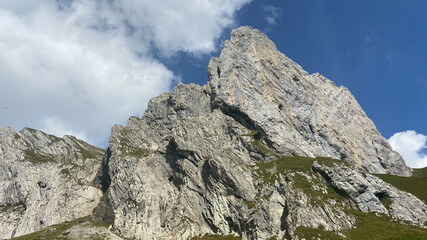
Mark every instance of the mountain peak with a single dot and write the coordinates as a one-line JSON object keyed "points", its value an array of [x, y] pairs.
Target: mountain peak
{"points": [[264, 150], [293, 108]]}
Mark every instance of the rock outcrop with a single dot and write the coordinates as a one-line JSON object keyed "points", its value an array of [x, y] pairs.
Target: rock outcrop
{"points": [[210, 159], [293, 108], [44, 180], [371, 194], [264, 150]]}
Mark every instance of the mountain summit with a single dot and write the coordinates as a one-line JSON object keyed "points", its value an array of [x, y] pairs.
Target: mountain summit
{"points": [[264, 150], [228, 157], [297, 114]]}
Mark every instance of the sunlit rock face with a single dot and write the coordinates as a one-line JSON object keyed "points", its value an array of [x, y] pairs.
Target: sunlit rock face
{"points": [[211, 159], [293, 108], [261, 151], [45, 180]]}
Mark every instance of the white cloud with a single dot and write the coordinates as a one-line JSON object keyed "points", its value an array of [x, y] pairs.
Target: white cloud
{"points": [[272, 14], [56, 127], [411, 145], [90, 64]]}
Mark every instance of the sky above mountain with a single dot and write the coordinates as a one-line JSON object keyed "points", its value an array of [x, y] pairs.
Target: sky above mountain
{"points": [[79, 67]]}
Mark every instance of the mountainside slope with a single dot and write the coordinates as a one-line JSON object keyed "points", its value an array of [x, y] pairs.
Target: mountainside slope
{"points": [[44, 180], [264, 150], [292, 108], [212, 159]]}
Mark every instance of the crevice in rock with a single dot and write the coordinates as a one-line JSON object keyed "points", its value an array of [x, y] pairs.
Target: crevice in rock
{"points": [[104, 212], [206, 172], [208, 221], [239, 116], [234, 227], [284, 225], [103, 179], [172, 158], [382, 164]]}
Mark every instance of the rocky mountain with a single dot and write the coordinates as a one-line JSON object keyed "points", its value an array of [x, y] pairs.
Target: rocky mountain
{"points": [[45, 180], [264, 150]]}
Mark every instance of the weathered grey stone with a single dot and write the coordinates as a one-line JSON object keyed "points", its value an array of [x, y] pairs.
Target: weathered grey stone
{"points": [[293, 108], [367, 191], [189, 166], [205, 160], [44, 180]]}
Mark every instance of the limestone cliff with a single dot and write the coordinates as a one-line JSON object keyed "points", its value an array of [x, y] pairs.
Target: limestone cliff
{"points": [[44, 180], [217, 159], [264, 150], [293, 108]]}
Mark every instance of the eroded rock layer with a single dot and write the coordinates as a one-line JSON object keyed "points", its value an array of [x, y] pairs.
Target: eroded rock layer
{"points": [[217, 159], [45, 180], [264, 150]]}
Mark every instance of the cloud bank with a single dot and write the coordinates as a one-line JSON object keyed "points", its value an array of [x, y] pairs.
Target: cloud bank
{"points": [[78, 67], [411, 145]]}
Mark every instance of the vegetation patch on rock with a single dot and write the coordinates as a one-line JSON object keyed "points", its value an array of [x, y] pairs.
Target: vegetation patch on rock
{"points": [[416, 184]]}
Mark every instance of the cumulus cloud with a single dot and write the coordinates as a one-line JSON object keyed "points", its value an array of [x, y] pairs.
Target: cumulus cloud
{"points": [[78, 67], [411, 145], [55, 126], [272, 14]]}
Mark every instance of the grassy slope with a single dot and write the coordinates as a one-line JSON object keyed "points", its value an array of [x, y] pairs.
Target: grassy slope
{"points": [[59, 231], [416, 184], [216, 237], [369, 226]]}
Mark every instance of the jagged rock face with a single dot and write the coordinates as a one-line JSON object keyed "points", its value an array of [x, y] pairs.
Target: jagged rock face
{"points": [[198, 177], [198, 161], [367, 191], [44, 180], [223, 158], [292, 108]]}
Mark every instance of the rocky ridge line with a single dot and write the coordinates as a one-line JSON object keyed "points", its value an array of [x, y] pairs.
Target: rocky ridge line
{"points": [[195, 163], [44, 180], [253, 153]]}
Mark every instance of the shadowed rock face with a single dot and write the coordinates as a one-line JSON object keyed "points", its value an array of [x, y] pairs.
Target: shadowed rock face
{"points": [[196, 162], [44, 180]]}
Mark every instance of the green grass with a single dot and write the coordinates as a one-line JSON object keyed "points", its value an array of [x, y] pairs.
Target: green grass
{"points": [[216, 237], [377, 228], [316, 197], [129, 149], [369, 227], [416, 184], [16, 207], [37, 158], [386, 201], [258, 144], [249, 204], [92, 153], [315, 233], [59, 231], [420, 172], [269, 171]]}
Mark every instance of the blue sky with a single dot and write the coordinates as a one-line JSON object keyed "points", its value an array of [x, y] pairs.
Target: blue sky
{"points": [[377, 49], [78, 67]]}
